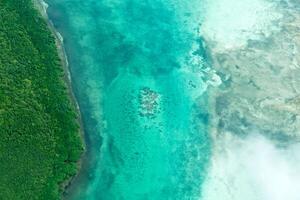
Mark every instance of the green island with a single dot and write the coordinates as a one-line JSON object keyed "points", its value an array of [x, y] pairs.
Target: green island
{"points": [[40, 142]]}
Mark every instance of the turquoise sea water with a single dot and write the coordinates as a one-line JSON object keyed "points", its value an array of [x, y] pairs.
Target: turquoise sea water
{"points": [[185, 100], [142, 102]]}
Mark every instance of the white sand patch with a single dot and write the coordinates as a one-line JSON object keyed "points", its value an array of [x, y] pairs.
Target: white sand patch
{"points": [[230, 23]]}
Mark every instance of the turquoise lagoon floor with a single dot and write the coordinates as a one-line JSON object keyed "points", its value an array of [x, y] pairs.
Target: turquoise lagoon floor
{"points": [[136, 70], [168, 116]]}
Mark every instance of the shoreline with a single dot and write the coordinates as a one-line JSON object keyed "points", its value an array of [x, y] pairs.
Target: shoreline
{"points": [[41, 7]]}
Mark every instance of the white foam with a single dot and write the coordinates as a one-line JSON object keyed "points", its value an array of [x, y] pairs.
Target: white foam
{"points": [[253, 169], [230, 23]]}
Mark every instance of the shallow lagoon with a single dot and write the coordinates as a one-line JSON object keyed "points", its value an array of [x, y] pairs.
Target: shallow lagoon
{"points": [[146, 134], [180, 98]]}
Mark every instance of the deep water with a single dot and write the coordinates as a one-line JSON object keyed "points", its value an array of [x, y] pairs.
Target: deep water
{"points": [[142, 101]]}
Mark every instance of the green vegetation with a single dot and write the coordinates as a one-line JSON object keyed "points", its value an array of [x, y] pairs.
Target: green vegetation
{"points": [[39, 135]]}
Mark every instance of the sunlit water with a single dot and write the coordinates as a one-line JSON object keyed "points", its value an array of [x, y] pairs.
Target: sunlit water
{"points": [[185, 99]]}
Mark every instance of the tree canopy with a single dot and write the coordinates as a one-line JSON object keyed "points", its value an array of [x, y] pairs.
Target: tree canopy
{"points": [[39, 135]]}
